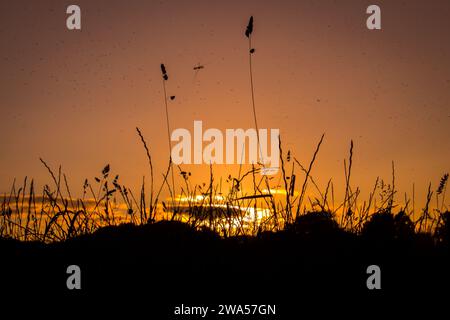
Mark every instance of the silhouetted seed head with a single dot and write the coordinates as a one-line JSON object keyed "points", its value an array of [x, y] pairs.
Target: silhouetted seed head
{"points": [[164, 72], [105, 171], [237, 184], [252, 50], [184, 174], [249, 29], [442, 183], [292, 186], [172, 97]]}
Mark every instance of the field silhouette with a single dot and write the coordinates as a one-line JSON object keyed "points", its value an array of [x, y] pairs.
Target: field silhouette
{"points": [[208, 248]]}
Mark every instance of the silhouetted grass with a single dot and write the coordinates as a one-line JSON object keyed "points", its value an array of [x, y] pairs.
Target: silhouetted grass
{"points": [[55, 215], [230, 210]]}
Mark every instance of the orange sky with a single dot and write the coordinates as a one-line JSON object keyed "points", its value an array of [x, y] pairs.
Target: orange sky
{"points": [[75, 97]]}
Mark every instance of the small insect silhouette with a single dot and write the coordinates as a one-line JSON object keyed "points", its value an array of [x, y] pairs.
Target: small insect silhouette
{"points": [[199, 67]]}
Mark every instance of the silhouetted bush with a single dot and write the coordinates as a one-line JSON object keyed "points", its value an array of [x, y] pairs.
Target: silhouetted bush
{"points": [[385, 226], [314, 224]]}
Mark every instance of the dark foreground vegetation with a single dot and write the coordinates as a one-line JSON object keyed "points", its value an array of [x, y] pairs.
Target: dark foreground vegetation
{"points": [[312, 262]]}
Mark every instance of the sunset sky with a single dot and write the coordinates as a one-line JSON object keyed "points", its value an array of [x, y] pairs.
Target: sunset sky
{"points": [[74, 98]]}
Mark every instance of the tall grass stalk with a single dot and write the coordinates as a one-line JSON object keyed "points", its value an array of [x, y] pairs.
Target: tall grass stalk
{"points": [[165, 78], [308, 172]]}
